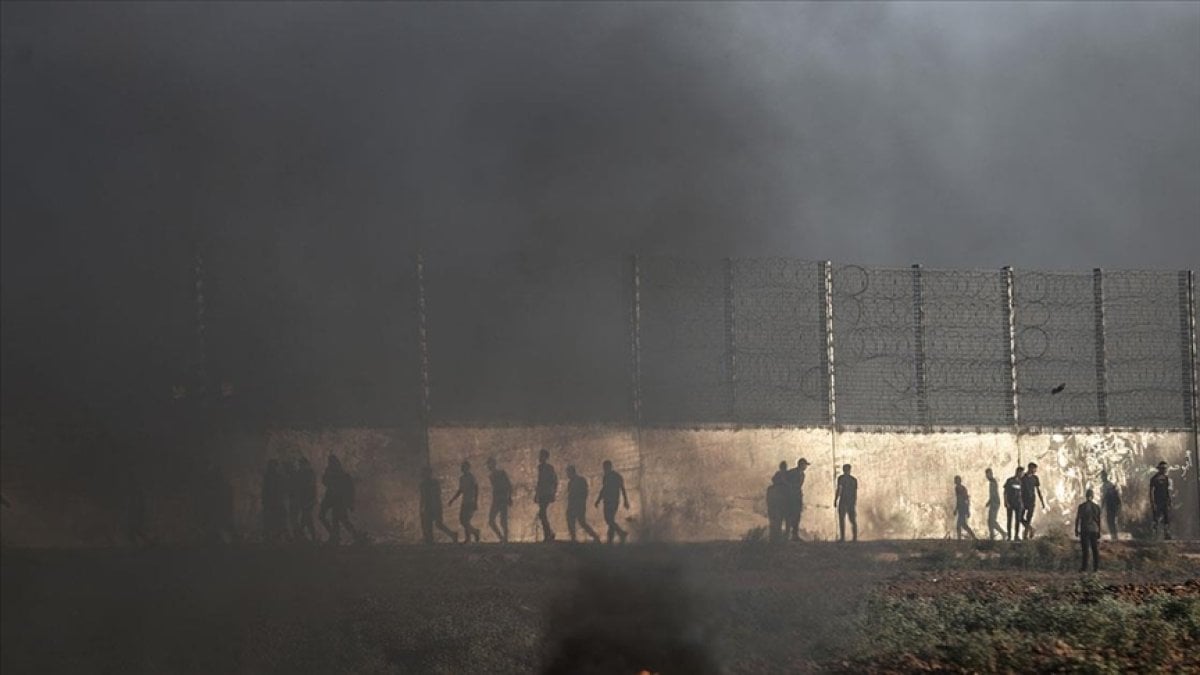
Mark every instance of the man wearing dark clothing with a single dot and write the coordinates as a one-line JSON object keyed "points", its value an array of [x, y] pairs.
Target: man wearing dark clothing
{"points": [[845, 499], [993, 505], [776, 507], [577, 494], [1014, 504], [612, 492], [274, 514], [962, 508], [468, 489], [501, 500], [1087, 528], [1160, 500], [431, 507], [338, 501], [545, 492], [795, 497], [1110, 499], [1031, 494], [304, 499]]}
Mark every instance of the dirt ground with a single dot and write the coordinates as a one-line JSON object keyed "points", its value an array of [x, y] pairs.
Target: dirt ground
{"points": [[738, 607]]}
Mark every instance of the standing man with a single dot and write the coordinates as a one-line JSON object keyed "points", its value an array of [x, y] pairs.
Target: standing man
{"points": [[795, 495], [962, 508], [305, 499], [468, 489], [776, 506], [338, 501], [577, 494], [612, 492], [1160, 500], [431, 507], [845, 498], [1110, 499], [545, 492], [501, 500], [1031, 493], [1014, 505], [1087, 528], [993, 505]]}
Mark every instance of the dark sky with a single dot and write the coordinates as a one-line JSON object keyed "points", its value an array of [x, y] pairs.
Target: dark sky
{"points": [[310, 148]]}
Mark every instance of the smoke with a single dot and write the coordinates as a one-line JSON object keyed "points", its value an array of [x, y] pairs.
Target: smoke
{"points": [[310, 149]]}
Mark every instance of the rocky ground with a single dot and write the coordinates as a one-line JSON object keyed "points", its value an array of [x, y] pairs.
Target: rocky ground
{"points": [[739, 607]]}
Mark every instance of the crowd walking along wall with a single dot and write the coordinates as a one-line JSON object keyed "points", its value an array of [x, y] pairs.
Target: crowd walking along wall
{"points": [[697, 377]]}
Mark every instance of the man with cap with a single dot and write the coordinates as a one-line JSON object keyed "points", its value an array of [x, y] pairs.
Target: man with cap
{"points": [[1160, 500], [545, 492], [845, 500], [795, 497]]}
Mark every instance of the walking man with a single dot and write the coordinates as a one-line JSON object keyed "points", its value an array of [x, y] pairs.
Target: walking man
{"points": [[993, 506], [468, 489], [845, 498], [795, 496], [962, 508], [577, 494], [501, 500], [545, 492], [1160, 500], [1031, 493], [612, 492], [1110, 499], [1087, 528], [1014, 504], [431, 507]]}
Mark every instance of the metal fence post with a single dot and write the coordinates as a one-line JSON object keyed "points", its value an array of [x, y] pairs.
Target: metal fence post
{"points": [[635, 367], [826, 288], [1010, 345], [1101, 350], [730, 341], [423, 348], [919, 347], [1187, 318]]}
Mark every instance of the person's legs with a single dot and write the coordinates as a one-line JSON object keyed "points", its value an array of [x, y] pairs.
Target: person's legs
{"points": [[841, 524], [994, 522], [583, 523], [547, 531], [1094, 542], [439, 524], [504, 523], [610, 517], [1083, 552], [492, 513], [427, 529], [1027, 520], [1111, 517], [571, 518], [853, 513]]}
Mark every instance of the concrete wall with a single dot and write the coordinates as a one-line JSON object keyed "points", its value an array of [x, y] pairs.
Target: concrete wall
{"points": [[684, 485]]}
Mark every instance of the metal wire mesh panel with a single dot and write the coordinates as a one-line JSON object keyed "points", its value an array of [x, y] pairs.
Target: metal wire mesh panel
{"points": [[874, 328], [684, 374], [1144, 346], [968, 374], [779, 342], [528, 341], [1055, 330]]}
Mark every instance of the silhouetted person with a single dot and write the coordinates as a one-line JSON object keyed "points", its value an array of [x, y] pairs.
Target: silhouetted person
{"points": [[612, 493], [1013, 503], [431, 507], [993, 506], [577, 494], [962, 508], [304, 498], [545, 492], [501, 499], [217, 506], [845, 500], [1087, 528], [795, 497], [468, 489], [1110, 500], [274, 515], [338, 501], [1031, 494], [290, 507], [1160, 500], [135, 511], [776, 506]]}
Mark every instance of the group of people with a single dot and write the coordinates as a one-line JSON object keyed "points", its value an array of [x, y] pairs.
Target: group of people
{"points": [[545, 493], [289, 495], [785, 502]]}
